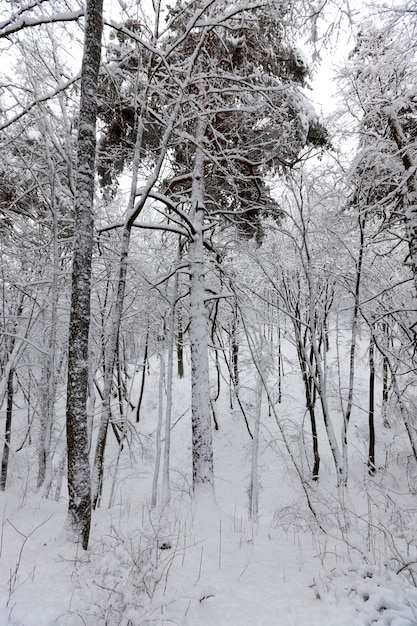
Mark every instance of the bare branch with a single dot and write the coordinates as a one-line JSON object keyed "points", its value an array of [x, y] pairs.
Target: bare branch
{"points": [[60, 88]]}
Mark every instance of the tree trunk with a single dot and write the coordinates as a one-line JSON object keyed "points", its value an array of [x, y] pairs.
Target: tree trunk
{"points": [[202, 445], [371, 452], [384, 403], [319, 375], [254, 481], [166, 487], [280, 365], [8, 431], [180, 325], [355, 321], [154, 496], [234, 349], [309, 389], [143, 373], [9, 373], [110, 359], [79, 505], [180, 344]]}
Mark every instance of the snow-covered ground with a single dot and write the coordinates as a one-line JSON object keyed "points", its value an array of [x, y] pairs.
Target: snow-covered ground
{"points": [[213, 567]]}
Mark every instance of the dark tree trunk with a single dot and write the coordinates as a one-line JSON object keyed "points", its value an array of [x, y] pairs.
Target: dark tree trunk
{"points": [[8, 431], [385, 386], [79, 487], [144, 364], [371, 453], [280, 366], [234, 349], [180, 344], [309, 391]]}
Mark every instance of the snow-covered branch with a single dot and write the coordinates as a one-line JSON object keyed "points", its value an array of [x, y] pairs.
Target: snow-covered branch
{"points": [[14, 25]]}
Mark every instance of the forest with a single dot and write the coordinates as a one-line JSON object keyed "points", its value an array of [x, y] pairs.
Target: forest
{"points": [[208, 313]]}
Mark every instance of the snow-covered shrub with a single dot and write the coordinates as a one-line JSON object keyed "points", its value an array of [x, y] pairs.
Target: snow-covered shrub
{"points": [[379, 596], [124, 582]]}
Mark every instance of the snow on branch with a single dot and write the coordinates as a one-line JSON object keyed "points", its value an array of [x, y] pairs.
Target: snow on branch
{"points": [[147, 225], [121, 28], [12, 26], [45, 98]]}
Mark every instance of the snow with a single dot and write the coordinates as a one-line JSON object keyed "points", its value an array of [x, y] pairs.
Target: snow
{"points": [[205, 563]]}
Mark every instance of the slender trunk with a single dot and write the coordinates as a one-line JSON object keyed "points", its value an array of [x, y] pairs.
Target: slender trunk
{"points": [[121, 441], [319, 376], [409, 425], [280, 365], [355, 321], [371, 451], [312, 394], [48, 408], [8, 431], [91, 403], [166, 487], [254, 481], [180, 328], [309, 389], [59, 478], [98, 468], [384, 403], [180, 344], [154, 497], [143, 372], [234, 349], [8, 373], [79, 487]]}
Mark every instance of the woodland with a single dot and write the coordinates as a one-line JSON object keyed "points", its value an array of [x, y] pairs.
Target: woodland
{"points": [[208, 314]]}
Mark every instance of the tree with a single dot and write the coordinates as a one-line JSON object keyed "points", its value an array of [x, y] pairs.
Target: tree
{"points": [[305, 287], [79, 488], [380, 86], [201, 92], [243, 96], [380, 80]]}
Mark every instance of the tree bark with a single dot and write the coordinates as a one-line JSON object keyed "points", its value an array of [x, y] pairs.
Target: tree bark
{"points": [[384, 403], [202, 445], [144, 364], [79, 505], [8, 431], [355, 321], [166, 486], [180, 344], [8, 374], [371, 451], [154, 496], [309, 389], [254, 481]]}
